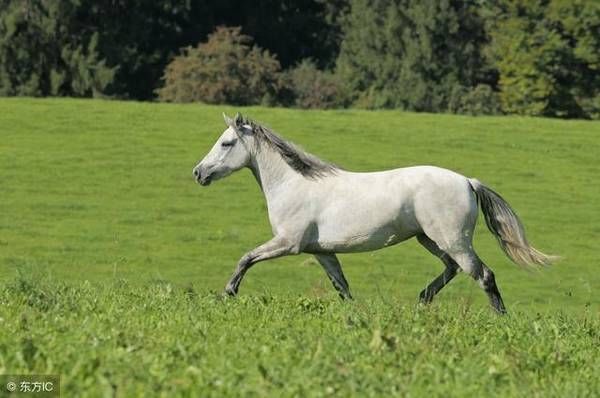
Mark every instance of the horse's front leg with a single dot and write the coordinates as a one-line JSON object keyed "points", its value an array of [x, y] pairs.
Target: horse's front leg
{"points": [[274, 248], [333, 269]]}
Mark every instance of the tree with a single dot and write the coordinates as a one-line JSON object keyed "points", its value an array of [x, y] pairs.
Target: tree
{"points": [[412, 55], [548, 56], [40, 56], [143, 42], [311, 87], [225, 69], [126, 44]]}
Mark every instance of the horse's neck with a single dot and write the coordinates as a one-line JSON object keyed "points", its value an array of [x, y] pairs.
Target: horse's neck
{"points": [[271, 172]]}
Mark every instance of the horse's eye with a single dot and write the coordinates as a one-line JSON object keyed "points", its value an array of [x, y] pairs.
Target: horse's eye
{"points": [[226, 144]]}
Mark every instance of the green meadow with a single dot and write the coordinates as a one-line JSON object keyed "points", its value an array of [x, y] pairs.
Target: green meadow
{"points": [[112, 259]]}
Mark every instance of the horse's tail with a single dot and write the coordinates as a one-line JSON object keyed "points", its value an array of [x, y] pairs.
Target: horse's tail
{"points": [[504, 224]]}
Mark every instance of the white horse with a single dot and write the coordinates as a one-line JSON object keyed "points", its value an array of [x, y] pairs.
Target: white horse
{"points": [[316, 207]]}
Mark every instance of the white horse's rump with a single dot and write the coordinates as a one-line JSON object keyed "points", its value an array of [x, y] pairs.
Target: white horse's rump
{"points": [[316, 207]]}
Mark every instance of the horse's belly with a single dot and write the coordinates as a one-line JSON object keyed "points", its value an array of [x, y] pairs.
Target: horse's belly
{"points": [[358, 242], [363, 224]]}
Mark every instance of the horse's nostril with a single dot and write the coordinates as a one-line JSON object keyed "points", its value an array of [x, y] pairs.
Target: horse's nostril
{"points": [[196, 172]]}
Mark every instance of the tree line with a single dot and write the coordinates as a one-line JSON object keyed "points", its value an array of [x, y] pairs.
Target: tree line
{"points": [[528, 57]]}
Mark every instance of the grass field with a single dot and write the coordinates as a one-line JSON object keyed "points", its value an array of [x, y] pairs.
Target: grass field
{"points": [[111, 258]]}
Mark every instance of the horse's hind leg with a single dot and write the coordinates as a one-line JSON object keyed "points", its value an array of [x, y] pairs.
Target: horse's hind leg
{"points": [[333, 268], [472, 264], [488, 283], [427, 294]]}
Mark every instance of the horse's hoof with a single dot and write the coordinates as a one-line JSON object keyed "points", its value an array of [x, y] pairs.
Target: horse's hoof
{"points": [[500, 311], [425, 299], [230, 291], [346, 296]]}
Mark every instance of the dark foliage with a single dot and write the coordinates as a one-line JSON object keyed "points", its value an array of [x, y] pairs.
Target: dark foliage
{"points": [[135, 39], [411, 54], [225, 69], [538, 57], [311, 87]]}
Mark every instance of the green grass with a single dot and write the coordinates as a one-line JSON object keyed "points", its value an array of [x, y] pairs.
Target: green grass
{"points": [[130, 340], [98, 198]]}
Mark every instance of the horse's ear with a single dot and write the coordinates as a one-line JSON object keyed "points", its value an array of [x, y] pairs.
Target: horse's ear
{"points": [[228, 120], [237, 121], [238, 125]]}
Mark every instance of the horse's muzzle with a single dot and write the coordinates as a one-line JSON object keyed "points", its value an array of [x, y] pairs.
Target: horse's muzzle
{"points": [[205, 181], [203, 178]]}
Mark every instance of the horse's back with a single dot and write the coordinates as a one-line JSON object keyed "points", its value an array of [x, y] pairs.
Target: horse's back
{"points": [[430, 196], [412, 185]]}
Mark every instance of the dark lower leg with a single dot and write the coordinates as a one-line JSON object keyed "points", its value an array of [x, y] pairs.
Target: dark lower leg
{"points": [[343, 292], [426, 296], [333, 268], [488, 282], [233, 285]]}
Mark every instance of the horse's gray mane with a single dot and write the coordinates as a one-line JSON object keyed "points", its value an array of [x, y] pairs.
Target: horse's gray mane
{"points": [[303, 162]]}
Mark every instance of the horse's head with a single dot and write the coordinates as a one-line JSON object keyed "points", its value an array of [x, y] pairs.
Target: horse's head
{"points": [[230, 153]]}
